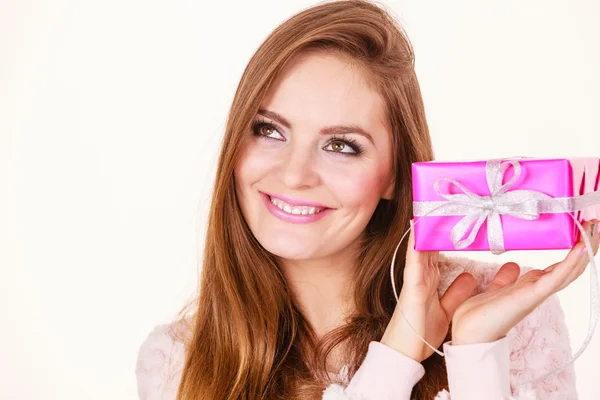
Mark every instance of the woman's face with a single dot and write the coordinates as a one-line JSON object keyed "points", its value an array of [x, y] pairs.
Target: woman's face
{"points": [[317, 161]]}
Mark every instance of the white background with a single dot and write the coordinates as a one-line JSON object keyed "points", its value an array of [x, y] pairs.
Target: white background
{"points": [[111, 115]]}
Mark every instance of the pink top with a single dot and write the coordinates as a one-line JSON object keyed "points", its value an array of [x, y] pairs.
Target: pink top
{"points": [[537, 344]]}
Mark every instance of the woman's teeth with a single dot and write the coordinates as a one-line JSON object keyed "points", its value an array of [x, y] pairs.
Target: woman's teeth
{"points": [[297, 210]]}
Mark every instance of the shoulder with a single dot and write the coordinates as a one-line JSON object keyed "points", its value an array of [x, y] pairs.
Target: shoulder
{"points": [[538, 344], [159, 365]]}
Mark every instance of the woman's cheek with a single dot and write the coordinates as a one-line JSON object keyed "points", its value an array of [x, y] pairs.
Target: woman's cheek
{"points": [[253, 163], [356, 187]]}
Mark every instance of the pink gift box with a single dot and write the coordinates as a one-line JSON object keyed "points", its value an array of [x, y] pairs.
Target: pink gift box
{"points": [[557, 178]]}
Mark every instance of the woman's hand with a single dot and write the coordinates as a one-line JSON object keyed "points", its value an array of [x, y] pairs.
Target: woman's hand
{"points": [[489, 316], [429, 315]]}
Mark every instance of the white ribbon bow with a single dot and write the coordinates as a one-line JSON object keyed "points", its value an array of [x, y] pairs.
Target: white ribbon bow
{"points": [[524, 204]]}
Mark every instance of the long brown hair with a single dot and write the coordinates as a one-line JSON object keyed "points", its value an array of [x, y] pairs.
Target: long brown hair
{"points": [[248, 339]]}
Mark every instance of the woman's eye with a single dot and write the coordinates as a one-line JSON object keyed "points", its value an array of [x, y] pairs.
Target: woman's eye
{"points": [[339, 147], [345, 147], [267, 130]]}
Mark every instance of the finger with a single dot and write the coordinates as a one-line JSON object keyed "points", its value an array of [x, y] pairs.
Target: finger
{"points": [[534, 289], [435, 255], [590, 229], [415, 258], [591, 232], [457, 293], [412, 256], [436, 259], [413, 268], [421, 272], [506, 275], [560, 275], [433, 271]]}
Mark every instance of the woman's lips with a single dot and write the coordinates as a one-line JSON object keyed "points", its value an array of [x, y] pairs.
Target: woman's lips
{"points": [[295, 202], [303, 213]]}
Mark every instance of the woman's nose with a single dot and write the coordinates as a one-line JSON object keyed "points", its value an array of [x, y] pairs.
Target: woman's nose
{"points": [[299, 168]]}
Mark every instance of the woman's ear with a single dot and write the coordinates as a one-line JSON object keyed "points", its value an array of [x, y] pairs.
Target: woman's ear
{"points": [[389, 191]]}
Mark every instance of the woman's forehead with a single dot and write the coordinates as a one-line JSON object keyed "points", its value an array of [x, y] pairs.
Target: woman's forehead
{"points": [[319, 89]]}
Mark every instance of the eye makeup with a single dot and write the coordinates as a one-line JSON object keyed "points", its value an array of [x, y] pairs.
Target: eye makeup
{"points": [[259, 124], [352, 143], [357, 148]]}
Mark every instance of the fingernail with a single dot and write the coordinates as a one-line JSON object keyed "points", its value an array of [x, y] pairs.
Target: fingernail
{"points": [[593, 228]]}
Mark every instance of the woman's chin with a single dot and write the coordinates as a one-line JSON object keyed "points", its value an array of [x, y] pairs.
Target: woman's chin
{"points": [[291, 249]]}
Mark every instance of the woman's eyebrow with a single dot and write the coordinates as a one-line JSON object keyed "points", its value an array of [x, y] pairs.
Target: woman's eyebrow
{"points": [[328, 130]]}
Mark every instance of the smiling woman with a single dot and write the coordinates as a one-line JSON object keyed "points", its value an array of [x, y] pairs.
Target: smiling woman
{"points": [[312, 195]]}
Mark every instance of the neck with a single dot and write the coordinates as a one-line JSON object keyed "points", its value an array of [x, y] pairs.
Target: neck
{"points": [[323, 290]]}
